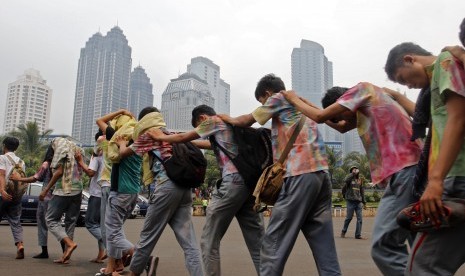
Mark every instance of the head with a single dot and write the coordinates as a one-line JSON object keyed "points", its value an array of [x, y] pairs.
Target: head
{"points": [[406, 65], [147, 110], [49, 154], [10, 144], [267, 86], [462, 32], [354, 170], [331, 96], [201, 113]]}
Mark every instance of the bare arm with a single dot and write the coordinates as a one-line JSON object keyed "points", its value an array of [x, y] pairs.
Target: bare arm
{"points": [[83, 165], [407, 104], [342, 126], [4, 194], [158, 135], [242, 121], [56, 175], [17, 177], [202, 144], [452, 142], [102, 121], [124, 150]]}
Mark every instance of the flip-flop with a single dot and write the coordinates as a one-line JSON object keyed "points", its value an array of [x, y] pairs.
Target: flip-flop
{"points": [[102, 270]]}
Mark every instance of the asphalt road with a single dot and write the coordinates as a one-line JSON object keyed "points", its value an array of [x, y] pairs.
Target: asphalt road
{"points": [[354, 256]]}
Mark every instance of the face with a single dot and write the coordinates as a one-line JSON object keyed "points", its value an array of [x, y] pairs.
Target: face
{"points": [[412, 74], [262, 99]]}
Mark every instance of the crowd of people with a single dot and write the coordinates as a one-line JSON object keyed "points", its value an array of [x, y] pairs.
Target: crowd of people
{"points": [[399, 154]]}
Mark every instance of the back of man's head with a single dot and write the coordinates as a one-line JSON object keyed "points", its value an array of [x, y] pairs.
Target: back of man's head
{"points": [[332, 95], [269, 83], [396, 56], [10, 143], [147, 110], [201, 110]]}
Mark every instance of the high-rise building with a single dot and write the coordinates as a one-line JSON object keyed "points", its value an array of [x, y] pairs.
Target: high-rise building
{"points": [[140, 94], [28, 99], [179, 99], [102, 84], [208, 71], [312, 76]]}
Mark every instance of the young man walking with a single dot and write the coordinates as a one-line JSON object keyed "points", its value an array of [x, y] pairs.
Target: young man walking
{"points": [[353, 193]]}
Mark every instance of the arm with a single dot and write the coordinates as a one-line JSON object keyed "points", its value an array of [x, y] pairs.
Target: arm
{"points": [[312, 112], [124, 150], [362, 191], [242, 121], [407, 104], [342, 126], [84, 167], [454, 133], [158, 135], [102, 121], [56, 175], [4, 194], [17, 177]]}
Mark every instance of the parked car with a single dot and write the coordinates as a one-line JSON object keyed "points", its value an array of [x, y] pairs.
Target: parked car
{"points": [[135, 212], [143, 205], [30, 203]]}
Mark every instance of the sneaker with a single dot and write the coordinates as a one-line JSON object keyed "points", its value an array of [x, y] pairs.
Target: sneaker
{"points": [[151, 267], [410, 217], [343, 235], [360, 238]]}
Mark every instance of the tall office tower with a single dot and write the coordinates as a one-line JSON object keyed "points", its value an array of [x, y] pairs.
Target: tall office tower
{"points": [[102, 84], [179, 99], [28, 99], [210, 72], [140, 94]]}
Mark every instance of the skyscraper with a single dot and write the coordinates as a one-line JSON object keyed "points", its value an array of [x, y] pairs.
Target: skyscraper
{"points": [[28, 99], [140, 94], [179, 99], [208, 71], [102, 84]]}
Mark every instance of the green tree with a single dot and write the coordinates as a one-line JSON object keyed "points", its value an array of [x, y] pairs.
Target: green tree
{"points": [[31, 148], [213, 172]]}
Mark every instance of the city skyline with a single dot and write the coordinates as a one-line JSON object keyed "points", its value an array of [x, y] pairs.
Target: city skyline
{"points": [[357, 37]]}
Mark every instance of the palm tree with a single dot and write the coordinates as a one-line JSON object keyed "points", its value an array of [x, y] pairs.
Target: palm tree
{"points": [[334, 161], [31, 149]]}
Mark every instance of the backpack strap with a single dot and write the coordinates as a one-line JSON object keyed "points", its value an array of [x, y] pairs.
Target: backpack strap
{"points": [[220, 147], [13, 163], [291, 141]]}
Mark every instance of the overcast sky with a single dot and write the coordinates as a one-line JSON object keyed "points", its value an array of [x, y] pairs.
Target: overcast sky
{"points": [[246, 38]]}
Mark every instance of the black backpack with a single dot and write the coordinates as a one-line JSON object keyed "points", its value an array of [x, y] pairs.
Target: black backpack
{"points": [[254, 152], [187, 166]]}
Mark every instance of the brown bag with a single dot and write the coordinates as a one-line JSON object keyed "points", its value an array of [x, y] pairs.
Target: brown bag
{"points": [[16, 188], [270, 182]]}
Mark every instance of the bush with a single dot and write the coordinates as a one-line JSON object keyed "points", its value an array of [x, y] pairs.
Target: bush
{"points": [[376, 196]]}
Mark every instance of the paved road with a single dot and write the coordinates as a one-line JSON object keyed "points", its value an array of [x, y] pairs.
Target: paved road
{"points": [[353, 254]]}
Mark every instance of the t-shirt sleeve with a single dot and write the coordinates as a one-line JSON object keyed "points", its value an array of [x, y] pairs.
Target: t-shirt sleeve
{"points": [[357, 96], [451, 75], [209, 127], [93, 165], [272, 107]]}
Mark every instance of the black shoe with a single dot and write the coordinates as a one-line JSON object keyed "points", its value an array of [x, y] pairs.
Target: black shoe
{"points": [[152, 266], [43, 255]]}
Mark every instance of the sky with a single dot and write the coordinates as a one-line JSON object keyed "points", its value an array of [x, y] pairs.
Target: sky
{"points": [[246, 38]]}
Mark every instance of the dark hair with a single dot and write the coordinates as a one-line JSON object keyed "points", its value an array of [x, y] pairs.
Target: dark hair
{"points": [[11, 143], [462, 32], [98, 134], [332, 95], [49, 154], [395, 58], [269, 83], [201, 110], [147, 110]]}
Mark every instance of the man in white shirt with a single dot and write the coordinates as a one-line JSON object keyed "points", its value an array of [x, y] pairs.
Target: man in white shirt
{"points": [[10, 205]]}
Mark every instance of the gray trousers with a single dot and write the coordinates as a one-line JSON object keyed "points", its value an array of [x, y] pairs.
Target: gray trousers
{"points": [[440, 252], [12, 212], [389, 250], [92, 220], [103, 208], [42, 229], [59, 206], [304, 204], [119, 208], [231, 199], [170, 205]]}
